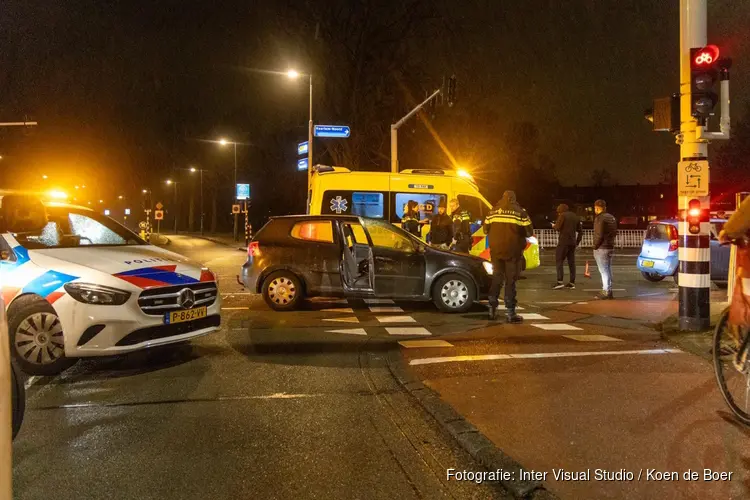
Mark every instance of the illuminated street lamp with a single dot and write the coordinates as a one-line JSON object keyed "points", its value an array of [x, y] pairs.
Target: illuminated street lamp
{"points": [[120, 197], [224, 142]]}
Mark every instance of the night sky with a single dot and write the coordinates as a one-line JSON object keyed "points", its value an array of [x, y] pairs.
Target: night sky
{"points": [[125, 90]]}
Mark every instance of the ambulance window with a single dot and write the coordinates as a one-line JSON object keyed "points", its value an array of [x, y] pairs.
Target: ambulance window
{"points": [[428, 204], [474, 206], [362, 203]]}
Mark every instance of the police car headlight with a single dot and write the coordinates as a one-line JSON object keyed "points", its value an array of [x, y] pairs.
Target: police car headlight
{"points": [[89, 293], [487, 267]]}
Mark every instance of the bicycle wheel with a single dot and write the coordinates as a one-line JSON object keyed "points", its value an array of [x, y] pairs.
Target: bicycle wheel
{"points": [[734, 385]]}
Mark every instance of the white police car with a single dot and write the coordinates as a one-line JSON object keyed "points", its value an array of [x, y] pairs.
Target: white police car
{"points": [[76, 283]]}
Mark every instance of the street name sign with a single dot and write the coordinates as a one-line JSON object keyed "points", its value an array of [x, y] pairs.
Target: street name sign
{"points": [[302, 164], [692, 178], [302, 148], [340, 131]]}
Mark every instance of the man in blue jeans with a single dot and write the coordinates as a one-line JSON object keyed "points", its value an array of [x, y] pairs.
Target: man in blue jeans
{"points": [[605, 232]]}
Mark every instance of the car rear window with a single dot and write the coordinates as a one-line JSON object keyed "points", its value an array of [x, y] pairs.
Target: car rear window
{"points": [[661, 232], [319, 230]]}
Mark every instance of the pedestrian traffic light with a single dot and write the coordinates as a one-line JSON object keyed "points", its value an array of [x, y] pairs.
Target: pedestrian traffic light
{"points": [[694, 216], [703, 76], [452, 91]]}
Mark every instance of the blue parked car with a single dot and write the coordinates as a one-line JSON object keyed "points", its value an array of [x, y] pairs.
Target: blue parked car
{"points": [[659, 253]]}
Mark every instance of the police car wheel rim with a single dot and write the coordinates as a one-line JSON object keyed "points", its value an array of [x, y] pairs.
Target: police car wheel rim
{"points": [[39, 339], [454, 293], [282, 291]]}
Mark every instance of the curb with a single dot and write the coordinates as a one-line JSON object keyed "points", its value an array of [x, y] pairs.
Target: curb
{"points": [[469, 437], [218, 242]]}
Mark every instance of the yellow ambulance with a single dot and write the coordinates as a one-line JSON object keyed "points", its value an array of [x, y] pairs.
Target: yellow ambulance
{"points": [[383, 195]]}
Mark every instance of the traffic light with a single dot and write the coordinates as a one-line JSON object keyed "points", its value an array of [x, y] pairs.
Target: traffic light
{"points": [[693, 216], [703, 75], [452, 91]]}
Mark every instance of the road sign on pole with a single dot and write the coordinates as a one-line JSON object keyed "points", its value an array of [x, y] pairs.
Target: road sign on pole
{"points": [[235, 209], [158, 214], [303, 148], [243, 192], [159, 206], [302, 164], [692, 178], [341, 131]]}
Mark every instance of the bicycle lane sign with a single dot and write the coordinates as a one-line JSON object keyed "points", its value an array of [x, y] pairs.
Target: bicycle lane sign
{"points": [[692, 178]]}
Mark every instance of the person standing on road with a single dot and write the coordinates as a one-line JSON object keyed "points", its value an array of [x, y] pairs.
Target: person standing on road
{"points": [[410, 220], [605, 232], [461, 227], [507, 226], [441, 228], [571, 231]]}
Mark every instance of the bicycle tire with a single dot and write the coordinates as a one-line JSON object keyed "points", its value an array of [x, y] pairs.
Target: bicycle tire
{"points": [[719, 370]]}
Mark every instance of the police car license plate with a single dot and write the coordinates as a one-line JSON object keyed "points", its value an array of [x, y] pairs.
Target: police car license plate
{"points": [[648, 263], [186, 315]]}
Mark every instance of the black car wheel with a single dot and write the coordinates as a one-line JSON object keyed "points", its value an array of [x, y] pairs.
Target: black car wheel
{"points": [[18, 402], [652, 277], [36, 338], [454, 293], [282, 290]]}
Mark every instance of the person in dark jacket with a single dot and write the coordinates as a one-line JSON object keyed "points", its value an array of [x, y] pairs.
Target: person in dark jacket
{"points": [[605, 232], [571, 231], [410, 220], [461, 227], [507, 226], [441, 228]]}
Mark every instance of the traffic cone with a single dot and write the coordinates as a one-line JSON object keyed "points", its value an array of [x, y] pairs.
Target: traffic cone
{"points": [[586, 273]]}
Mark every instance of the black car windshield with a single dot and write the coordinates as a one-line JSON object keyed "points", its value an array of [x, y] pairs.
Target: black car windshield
{"points": [[73, 228], [386, 235]]}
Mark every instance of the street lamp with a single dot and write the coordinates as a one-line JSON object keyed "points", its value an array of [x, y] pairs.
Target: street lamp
{"points": [[169, 183], [224, 142], [293, 74], [192, 171]]}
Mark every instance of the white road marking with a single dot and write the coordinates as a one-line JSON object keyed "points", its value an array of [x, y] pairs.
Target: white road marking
{"points": [[379, 301], [530, 316], [350, 331], [408, 331], [284, 395], [396, 319], [557, 302], [352, 319], [425, 343], [584, 303], [502, 308], [592, 338], [556, 326], [536, 355], [392, 309], [235, 308], [30, 381], [339, 310]]}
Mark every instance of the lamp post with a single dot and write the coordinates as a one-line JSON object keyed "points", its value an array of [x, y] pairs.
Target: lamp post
{"points": [[169, 183], [294, 75], [193, 170], [224, 142]]}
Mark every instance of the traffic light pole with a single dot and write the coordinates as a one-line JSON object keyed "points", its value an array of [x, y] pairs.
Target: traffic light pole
{"points": [[395, 127], [694, 277]]}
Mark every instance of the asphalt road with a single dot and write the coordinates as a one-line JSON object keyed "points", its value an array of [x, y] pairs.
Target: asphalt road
{"points": [[271, 406], [302, 404]]}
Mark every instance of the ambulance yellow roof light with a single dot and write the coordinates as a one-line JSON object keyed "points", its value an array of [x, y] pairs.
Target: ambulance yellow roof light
{"points": [[463, 173]]}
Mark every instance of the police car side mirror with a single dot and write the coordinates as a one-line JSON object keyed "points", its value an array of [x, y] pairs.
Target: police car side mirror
{"points": [[4, 255]]}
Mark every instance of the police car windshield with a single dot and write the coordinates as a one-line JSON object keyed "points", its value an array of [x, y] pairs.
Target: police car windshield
{"points": [[74, 228]]}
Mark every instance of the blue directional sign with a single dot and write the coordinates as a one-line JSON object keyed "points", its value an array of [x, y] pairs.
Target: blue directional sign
{"points": [[302, 164], [342, 131], [302, 148], [243, 191]]}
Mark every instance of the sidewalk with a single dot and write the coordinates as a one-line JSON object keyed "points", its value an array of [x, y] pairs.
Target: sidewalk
{"points": [[225, 239], [578, 406]]}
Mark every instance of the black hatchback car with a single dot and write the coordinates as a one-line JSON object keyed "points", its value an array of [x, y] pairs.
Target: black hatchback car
{"points": [[293, 257]]}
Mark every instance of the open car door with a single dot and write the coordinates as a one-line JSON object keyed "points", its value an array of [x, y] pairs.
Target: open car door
{"points": [[357, 270]]}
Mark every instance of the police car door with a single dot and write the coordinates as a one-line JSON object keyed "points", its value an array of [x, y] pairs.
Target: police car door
{"points": [[399, 265]]}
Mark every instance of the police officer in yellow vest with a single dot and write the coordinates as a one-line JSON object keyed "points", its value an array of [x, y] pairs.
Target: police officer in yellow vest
{"points": [[507, 226], [461, 227]]}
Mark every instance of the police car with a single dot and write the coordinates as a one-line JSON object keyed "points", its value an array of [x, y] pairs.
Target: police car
{"points": [[76, 284]]}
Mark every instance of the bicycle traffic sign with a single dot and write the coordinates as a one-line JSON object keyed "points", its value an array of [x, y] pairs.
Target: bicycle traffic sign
{"points": [[692, 178]]}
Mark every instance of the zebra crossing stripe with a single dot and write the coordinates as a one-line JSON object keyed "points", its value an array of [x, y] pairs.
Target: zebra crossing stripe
{"points": [[391, 309], [555, 326], [352, 319], [592, 338], [349, 331], [408, 331], [339, 310], [395, 319], [532, 316]]}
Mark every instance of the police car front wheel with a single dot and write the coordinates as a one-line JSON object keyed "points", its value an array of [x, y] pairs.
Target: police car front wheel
{"points": [[454, 293], [36, 338]]}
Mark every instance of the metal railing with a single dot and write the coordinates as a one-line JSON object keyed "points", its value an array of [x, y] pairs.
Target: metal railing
{"points": [[626, 238]]}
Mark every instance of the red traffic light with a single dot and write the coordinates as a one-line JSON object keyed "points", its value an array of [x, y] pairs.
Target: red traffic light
{"points": [[706, 56]]}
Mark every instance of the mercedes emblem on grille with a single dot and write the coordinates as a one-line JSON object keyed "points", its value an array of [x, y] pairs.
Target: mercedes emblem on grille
{"points": [[186, 300]]}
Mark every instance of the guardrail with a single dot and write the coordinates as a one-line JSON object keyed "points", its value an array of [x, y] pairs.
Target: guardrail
{"points": [[626, 238]]}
